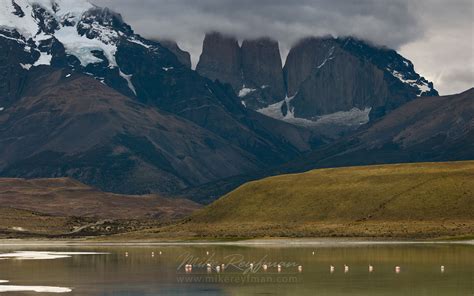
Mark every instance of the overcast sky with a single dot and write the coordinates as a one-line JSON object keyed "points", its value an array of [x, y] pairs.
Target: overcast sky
{"points": [[436, 35]]}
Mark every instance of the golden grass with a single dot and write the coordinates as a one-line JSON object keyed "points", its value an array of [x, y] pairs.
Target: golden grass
{"points": [[421, 191], [421, 200], [402, 200]]}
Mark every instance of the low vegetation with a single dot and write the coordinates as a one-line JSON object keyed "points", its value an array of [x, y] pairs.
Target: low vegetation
{"points": [[65, 208], [420, 200], [403, 200]]}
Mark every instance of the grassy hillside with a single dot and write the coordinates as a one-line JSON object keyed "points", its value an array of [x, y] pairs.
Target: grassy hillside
{"points": [[410, 200]]}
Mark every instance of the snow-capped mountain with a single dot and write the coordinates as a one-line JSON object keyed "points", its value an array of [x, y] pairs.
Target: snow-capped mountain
{"points": [[166, 129], [343, 81], [76, 34]]}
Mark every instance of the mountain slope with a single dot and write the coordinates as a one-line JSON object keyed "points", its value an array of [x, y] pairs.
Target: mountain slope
{"points": [[425, 129], [36, 38], [395, 200], [72, 125], [97, 42], [69, 198], [183, 56]]}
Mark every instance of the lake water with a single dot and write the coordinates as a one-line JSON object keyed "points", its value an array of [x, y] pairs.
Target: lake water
{"points": [[161, 270]]}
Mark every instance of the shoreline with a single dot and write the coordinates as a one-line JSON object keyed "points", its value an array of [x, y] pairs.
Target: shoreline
{"points": [[266, 242]]}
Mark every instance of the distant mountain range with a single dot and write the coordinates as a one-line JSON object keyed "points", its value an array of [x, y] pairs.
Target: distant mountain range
{"points": [[83, 96], [342, 81]]}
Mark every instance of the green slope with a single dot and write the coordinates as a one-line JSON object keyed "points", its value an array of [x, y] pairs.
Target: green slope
{"points": [[421, 199]]}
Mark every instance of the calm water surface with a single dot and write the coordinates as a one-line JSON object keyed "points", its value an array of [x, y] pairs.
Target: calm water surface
{"points": [[136, 271]]}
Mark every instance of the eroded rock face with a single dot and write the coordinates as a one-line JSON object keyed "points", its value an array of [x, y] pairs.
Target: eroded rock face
{"points": [[183, 56], [254, 70], [302, 59], [12, 74], [339, 82], [328, 75], [221, 59], [322, 76], [261, 68]]}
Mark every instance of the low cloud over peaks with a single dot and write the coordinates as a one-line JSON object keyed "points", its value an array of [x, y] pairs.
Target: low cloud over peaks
{"points": [[405, 25]]}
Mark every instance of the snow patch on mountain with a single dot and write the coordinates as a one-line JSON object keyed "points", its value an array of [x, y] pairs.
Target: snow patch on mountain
{"points": [[61, 8], [11, 38], [83, 47], [68, 15], [417, 83], [26, 25], [139, 42], [275, 110], [424, 88], [324, 62], [245, 91], [328, 58], [353, 117], [26, 66], [42, 37], [44, 59], [128, 78]]}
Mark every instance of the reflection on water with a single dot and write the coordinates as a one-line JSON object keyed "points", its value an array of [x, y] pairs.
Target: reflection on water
{"points": [[436, 269]]}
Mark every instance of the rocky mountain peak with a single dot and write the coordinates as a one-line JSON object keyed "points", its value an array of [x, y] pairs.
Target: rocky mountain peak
{"points": [[325, 80], [221, 59], [345, 82], [74, 34], [390, 61], [183, 56], [106, 18], [261, 69], [253, 69], [304, 56]]}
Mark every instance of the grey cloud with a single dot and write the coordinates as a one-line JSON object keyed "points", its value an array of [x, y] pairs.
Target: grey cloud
{"points": [[394, 23], [385, 22]]}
